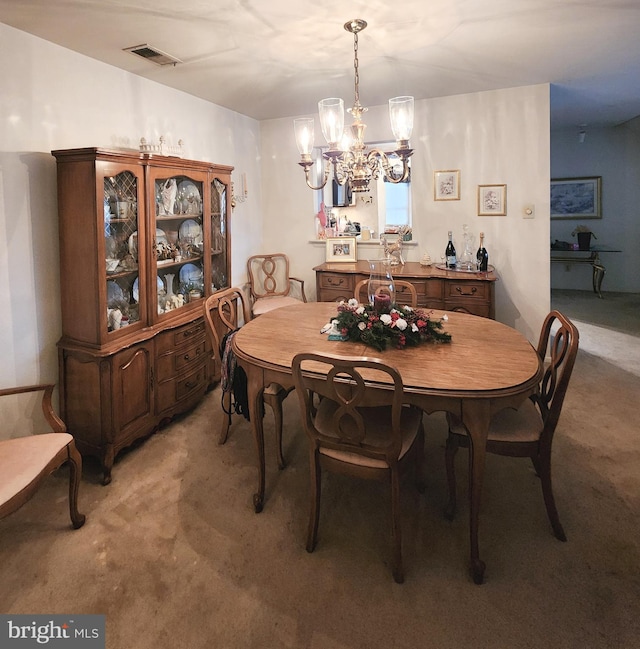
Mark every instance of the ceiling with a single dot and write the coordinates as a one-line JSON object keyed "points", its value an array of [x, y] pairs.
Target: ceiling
{"points": [[277, 58]]}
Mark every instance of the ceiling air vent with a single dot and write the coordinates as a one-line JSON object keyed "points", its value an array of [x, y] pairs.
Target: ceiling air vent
{"points": [[152, 54]]}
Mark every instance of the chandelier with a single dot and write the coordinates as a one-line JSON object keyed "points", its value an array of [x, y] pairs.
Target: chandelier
{"points": [[351, 160]]}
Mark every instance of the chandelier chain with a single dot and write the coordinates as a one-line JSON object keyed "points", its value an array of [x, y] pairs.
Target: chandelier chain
{"points": [[355, 68]]}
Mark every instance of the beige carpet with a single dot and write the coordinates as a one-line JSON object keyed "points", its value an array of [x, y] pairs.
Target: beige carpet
{"points": [[174, 556]]}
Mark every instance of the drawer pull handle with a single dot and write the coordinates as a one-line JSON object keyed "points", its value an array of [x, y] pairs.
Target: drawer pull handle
{"points": [[459, 289], [190, 384], [335, 282], [186, 357]]}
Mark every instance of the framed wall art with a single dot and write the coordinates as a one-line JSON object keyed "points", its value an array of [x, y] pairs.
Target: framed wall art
{"points": [[446, 185], [576, 198], [341, 249], [492, 200]]}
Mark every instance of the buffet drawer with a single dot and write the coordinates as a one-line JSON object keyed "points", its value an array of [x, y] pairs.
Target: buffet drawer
{"points": [[172, 362], [170, 392], [339, 281], [469, 290], [169, 340]]}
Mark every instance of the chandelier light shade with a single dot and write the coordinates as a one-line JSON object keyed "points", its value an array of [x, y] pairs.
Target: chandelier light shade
{"points": [[347, 155]]}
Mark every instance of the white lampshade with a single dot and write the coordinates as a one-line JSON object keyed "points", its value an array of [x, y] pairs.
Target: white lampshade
{"points": [[401, 116], [304, 130], [332, 120]]}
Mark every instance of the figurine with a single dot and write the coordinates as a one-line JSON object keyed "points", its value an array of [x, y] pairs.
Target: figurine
{"points": [[169, 192], [393, 249]]}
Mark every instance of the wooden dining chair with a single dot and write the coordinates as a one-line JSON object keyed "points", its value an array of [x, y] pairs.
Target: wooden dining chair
{"points": [[358, 431], [270, 284], [406, 293], [25, 462], [528, 431], [224, 312]]}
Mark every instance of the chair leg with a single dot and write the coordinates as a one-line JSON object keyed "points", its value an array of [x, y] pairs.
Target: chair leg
{"points": [[450, 456], [421, 466], [225, 424], [314, 509], [275, 402], [543, 464], [75, 473], [396, 534]]}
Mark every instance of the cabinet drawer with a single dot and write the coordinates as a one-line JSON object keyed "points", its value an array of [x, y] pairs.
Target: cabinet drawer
{"points": [[169, 340], [172, 391], [482, 309], [172, 362], [470, 290], [345, 283]]}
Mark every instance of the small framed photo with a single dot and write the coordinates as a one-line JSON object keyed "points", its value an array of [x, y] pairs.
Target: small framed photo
{"points": [[576, 198], [341, 249], [446, 185], [492, 200]]}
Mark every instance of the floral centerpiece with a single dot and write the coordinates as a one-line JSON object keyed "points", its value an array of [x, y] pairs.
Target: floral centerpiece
{"points": [[397, 326]]}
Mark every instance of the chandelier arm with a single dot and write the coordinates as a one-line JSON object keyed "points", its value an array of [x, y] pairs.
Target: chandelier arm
{"points": [[377, 158], [306, 166]]}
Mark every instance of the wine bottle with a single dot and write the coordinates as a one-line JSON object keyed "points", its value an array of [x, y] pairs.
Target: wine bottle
{"points": [[450, 252], [482, 256]]}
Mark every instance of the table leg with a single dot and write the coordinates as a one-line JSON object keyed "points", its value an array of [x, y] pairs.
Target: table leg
{"points": [[476, 416], [598, 275], [255, 389]]}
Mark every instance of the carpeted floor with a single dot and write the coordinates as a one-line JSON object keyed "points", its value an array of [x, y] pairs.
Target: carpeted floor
{"points": [[174, 556]]}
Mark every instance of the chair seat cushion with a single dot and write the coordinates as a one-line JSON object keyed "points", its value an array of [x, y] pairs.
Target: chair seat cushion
{"points": [[264, 304], [377, 422], [522, 425], [23, 459]]}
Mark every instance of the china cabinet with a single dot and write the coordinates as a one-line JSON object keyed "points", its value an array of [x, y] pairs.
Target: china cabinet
{"points": [[144, 239]]}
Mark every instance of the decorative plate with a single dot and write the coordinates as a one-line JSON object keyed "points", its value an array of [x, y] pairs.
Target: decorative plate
{"points": [[190, 273], [190, 228], [135, 292], [114, 292]]}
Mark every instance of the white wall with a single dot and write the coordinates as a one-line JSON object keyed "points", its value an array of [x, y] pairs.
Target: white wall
{"points": [[498, 137], [614, 154], [53, 98]]}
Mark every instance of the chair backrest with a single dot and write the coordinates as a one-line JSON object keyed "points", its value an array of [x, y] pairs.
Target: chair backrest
{"points": [[406, 293], [342, 380], [224, 311], [559, 337], [268, 275]]}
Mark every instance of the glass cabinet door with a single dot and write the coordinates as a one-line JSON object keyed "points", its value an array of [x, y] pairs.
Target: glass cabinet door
{"points": [[121, 249], [219, 253], [178, 241]]}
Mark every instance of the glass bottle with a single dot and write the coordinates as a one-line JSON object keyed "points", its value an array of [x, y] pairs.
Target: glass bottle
{"points": [[381, 288], [482, 256], [450, 252]]}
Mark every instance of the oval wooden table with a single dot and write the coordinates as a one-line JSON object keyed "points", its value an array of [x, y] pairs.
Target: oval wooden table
{"points": [[486, 367]]}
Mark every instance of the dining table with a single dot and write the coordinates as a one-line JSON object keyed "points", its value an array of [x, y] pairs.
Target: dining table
{"points": [[486, 367]]}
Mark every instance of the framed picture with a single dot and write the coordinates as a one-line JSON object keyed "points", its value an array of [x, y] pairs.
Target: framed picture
{"points": [[341, 249], [576, 198], [492, 200], [446, 185]]}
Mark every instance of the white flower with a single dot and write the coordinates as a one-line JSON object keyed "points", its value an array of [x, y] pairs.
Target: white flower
{"points": [[408, 308], [414, 327], [385, 318], [445, 317], [401, 324], [362, 326], [353, 303], [360, 310], [334, 323]]}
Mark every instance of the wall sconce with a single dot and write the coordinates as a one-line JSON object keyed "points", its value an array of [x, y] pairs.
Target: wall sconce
{"points": [[242, 196]]}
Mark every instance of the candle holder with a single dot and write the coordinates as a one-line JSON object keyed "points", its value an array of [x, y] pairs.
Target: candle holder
{"points": [[381, 289]]}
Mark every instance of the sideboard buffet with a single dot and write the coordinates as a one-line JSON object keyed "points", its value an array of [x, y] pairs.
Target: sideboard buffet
{"points": [[451, 290], [144, 239]]}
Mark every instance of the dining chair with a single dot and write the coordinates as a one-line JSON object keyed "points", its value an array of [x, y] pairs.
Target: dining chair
{"points": [[528, 431], [224, 312], [270, 284], [406, 293], [358, 431], [26, 461]]}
